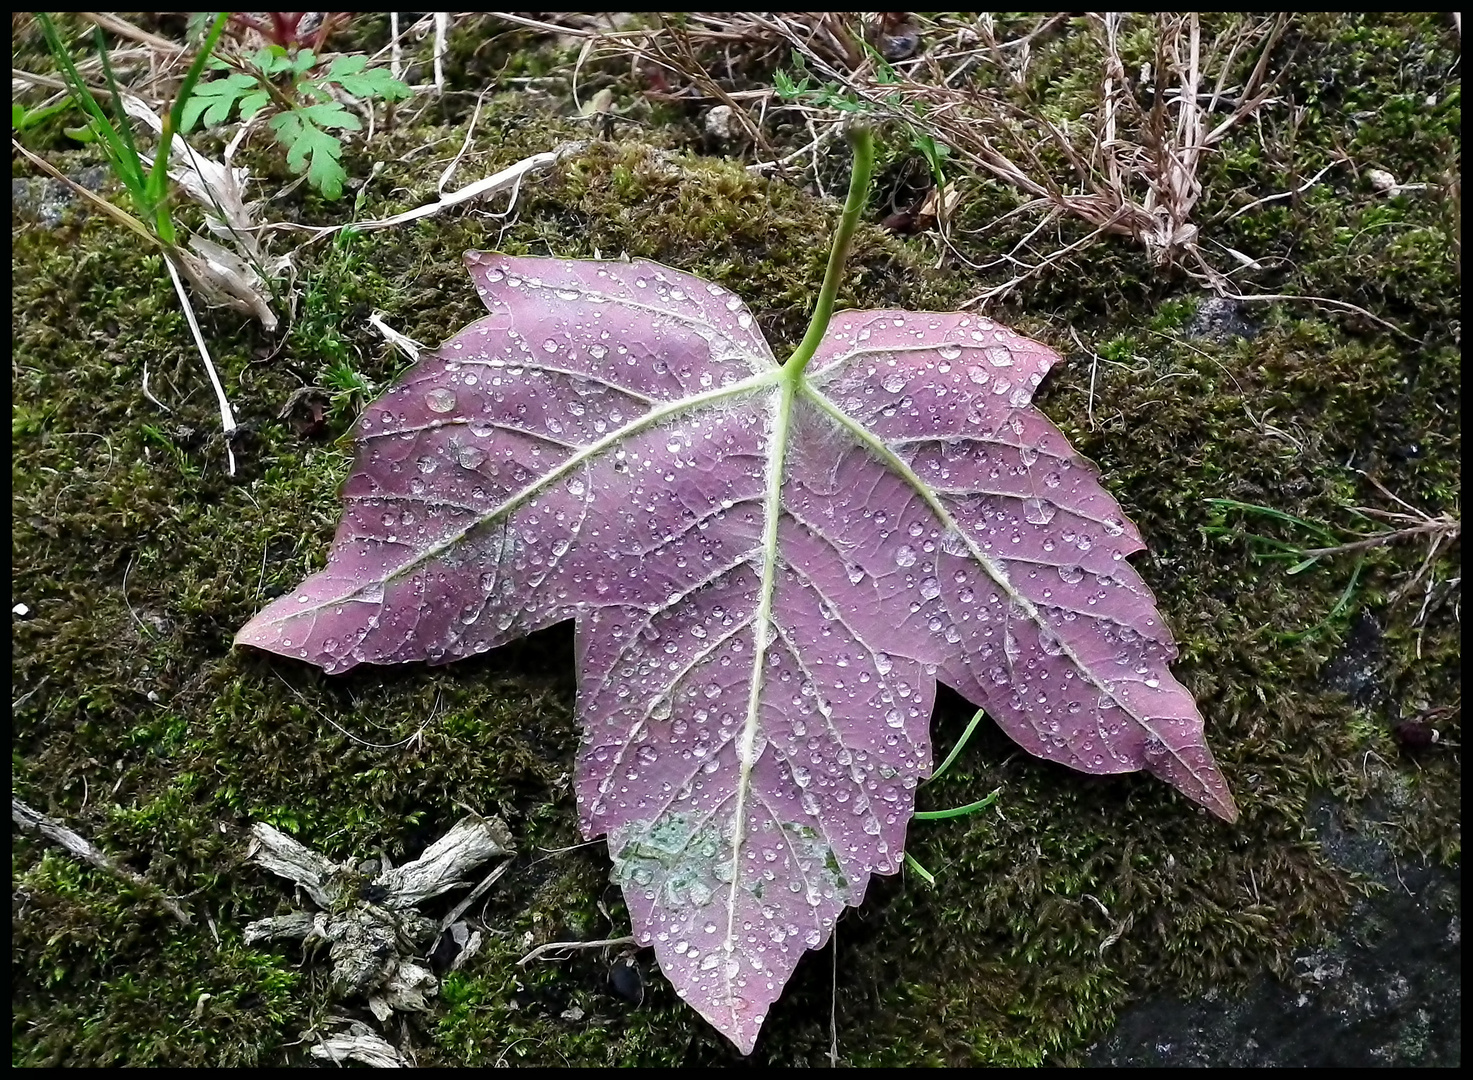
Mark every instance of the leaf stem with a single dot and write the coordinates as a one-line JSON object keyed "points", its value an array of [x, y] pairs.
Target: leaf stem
{"points": [[864, 162]]}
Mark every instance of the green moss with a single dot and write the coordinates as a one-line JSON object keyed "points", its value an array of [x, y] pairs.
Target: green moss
{"points": [[139, 560], [110, 981]]}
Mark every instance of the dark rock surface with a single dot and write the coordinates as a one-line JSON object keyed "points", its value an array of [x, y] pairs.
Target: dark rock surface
{"points": [[1388, 991], [1222, 320]]}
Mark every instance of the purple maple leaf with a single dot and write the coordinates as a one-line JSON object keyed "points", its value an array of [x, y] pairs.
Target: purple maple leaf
{"points": [[770, 571]]}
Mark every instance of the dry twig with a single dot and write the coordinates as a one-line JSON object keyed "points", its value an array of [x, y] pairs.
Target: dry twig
{"points": [[1130, 169], [564, 947], [84, 849]]}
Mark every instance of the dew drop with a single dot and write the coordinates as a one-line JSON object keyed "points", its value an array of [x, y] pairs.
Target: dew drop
{"points": [[1038, 511]]}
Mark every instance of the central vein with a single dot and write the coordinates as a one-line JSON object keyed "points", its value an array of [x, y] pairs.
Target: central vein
{"points": [[763, 631], [791, 383]]}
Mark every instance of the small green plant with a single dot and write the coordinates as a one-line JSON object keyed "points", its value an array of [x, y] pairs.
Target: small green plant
{"points": [[23, 119], [831, 95], [154, 434], [349, 390], [828, 95], [935, 154], [147, 185], [307, 113], [1301, 558], [318, 330]]}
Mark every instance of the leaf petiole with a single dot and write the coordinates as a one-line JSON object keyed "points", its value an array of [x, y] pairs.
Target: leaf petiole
{"points": [[823, 311]]}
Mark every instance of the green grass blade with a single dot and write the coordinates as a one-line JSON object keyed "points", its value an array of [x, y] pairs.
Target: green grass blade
{"points": [[158, 177], [186, 88], [1341, 605], [1278, 549], [960, 745], [959, 811], [116, 149], [919, 870], [23, 119], [1320, 531], [120, 114]]}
